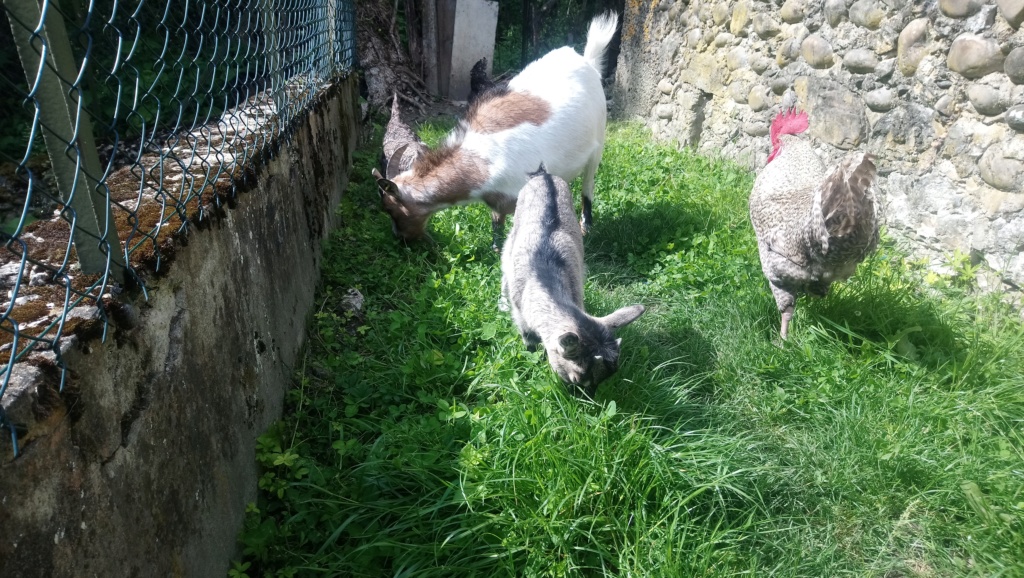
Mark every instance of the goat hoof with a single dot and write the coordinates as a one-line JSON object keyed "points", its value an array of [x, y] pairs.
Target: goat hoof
{"points": [[585, 228]]}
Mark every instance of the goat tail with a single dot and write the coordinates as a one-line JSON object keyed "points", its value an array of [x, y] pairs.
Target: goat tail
{"points": [[599, 36]]}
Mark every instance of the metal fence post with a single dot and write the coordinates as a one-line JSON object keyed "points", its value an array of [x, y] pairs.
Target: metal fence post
{"points": [[66, 129]]}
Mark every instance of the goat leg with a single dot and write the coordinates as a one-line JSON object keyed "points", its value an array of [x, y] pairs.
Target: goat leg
{"points": [[531, 340], [588, 216], [497, 230]]}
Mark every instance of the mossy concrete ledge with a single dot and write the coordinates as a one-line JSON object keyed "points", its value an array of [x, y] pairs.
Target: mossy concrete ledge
{"points": [[144, 464]]}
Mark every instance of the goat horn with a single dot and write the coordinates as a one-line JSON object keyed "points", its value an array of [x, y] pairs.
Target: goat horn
{"points": [[395, 162]]}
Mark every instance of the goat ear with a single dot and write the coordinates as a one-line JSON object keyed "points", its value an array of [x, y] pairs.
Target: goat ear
{"points": [[395, 162], [387, 188], [622, 317], [418, 148], [570, 344]]}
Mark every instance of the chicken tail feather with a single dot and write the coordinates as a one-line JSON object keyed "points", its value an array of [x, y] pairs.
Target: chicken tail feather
{"points": [[845, 198]]}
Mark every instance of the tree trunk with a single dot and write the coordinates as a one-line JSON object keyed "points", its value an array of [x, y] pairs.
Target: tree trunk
{"points": [[534, 14], [526, 33], [430, 44], [386, 66], [541, 14], [445, 36], [415, 35]]}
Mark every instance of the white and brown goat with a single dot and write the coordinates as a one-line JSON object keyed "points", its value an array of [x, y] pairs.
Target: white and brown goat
{"points": [[542, 281], [553, 112]]}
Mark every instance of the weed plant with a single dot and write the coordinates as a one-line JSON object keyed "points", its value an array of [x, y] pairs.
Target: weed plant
{"points": [[422, 439]]}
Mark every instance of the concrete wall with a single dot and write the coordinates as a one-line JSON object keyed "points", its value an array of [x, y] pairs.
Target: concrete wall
{"points": [[935, 89], [144, 465], [473, 39]]}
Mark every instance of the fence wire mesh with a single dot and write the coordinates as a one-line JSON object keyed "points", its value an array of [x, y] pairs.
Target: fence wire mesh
{"points": [[125, 123]]}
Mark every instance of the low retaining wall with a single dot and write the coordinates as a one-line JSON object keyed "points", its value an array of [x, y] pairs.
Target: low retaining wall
{"points": [[143, 466]]}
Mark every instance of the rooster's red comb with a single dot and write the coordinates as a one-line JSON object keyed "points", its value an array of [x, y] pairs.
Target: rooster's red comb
{"points": [[788, 122]]}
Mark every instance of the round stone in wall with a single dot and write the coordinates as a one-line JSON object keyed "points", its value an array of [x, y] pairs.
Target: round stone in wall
{"points": [[1012, 10], [765, 26], [739, 91], [666, 86], [881, 100], [792, 11], [788, 52], [912, 46], [1015, 118], [987, 100], [959, 8], [720, 13], [707, 39], [1014, 65], [944, 106], [740, 18], [909, 128], [884, 70], [817, 51], [759, 98], [835, 12], [664, 111], [760, 64], [692, 38], [974, 56], [755, 128], [736, 58], [1002, 166], [867, 13], [860, 61], [847, 123]]}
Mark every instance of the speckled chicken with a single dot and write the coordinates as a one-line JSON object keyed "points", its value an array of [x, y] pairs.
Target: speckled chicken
{"points": [[813, 225], [397, 135]]}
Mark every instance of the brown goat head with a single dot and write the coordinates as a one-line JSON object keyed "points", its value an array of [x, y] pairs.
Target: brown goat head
{"points": [[408, 222]]}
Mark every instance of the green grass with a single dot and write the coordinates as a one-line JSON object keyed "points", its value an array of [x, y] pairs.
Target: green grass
{"points": [[884, 439]]}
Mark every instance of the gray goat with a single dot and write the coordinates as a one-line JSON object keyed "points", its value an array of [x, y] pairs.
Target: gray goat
{"points": [[542, 280]]}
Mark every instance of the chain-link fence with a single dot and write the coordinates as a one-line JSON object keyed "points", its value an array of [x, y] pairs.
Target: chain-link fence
{"points": [[125, 124]]}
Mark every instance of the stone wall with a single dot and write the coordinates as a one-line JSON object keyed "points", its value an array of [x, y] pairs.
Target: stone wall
{"points": [[144, 464], [934, 89]]}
